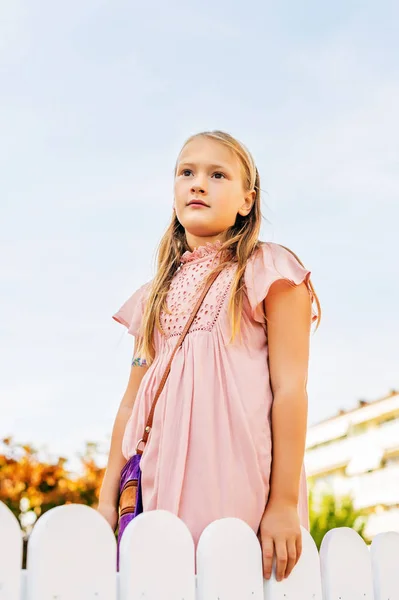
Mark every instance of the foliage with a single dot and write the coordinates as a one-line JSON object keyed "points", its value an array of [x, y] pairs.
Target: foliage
{"points": [[30, 486], [327, 511]]}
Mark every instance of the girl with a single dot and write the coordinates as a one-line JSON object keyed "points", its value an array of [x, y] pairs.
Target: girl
{"points": [[236, 394]]}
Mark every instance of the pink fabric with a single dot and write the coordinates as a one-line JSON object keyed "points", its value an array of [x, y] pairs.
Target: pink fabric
{"points": [[209, 452]]}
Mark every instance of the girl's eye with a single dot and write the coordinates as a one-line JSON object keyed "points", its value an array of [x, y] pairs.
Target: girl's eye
{"points": [[216, 173]]}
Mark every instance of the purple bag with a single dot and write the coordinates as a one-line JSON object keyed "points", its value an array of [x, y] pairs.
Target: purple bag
{"points": [[130, 486], [130, 497]]}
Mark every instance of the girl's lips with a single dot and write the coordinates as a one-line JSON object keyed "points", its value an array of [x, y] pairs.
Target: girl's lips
{"points": [[197, 203]]}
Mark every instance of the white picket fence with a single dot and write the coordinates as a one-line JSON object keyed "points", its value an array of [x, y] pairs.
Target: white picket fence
{"points": [[72, 556]]}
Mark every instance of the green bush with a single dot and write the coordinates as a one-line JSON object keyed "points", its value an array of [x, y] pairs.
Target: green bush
{"points": [[327, 511]]}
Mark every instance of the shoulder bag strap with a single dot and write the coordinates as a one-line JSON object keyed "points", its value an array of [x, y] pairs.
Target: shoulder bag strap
{"points": [[191, 318]]}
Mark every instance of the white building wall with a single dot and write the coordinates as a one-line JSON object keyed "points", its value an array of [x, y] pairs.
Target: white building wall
{"points": [[356, 464]]}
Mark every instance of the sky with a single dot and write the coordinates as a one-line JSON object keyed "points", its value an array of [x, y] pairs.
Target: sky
{"points": [[96, 101]]}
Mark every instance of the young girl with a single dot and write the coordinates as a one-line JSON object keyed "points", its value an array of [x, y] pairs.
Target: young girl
{"points": [[236, 394]]}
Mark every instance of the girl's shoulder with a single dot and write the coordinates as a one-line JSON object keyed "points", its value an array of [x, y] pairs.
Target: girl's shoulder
{"points": [[131, 312], [269, 263], [271, 259], [268, 252]]}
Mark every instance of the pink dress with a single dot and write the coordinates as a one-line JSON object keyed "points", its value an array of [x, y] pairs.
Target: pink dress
{"points": [[209, 452]]}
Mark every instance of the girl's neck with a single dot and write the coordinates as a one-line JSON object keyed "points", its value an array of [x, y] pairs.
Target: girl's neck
{"points": [[195, 242]]}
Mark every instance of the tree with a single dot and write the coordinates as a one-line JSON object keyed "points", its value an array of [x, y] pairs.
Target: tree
{"points": [[327, 511], [28, 484]]}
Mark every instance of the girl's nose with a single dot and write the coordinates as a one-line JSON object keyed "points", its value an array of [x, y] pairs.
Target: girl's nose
{"points": [[197, 188], [199, 183]]}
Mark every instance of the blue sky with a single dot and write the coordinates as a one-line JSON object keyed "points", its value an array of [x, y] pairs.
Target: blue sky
{"points": [[96, 99]]}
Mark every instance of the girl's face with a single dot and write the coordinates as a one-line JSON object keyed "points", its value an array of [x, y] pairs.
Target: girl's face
{"points": [[209, 172]]}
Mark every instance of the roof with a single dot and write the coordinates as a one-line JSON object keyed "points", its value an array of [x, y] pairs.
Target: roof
{"points": [[361, 404]]}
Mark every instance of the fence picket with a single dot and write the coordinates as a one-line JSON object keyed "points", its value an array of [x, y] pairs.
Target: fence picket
{"points": [[384, 554], [157, 559], [229, 562], [71, 554], [10, 555], [345, 566]]}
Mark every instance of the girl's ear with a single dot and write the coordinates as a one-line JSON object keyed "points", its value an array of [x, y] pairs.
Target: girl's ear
{"points": [[249, 199]]}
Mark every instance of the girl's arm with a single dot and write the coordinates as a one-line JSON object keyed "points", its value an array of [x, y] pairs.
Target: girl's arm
{"points": [[288, 310], [109, 492]]}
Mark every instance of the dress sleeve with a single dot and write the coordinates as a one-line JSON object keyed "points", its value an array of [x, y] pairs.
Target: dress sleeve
{"points": [[131, 312], [270, 263]]}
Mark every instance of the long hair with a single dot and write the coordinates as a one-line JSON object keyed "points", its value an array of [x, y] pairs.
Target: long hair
{"points": [[240, 242]]}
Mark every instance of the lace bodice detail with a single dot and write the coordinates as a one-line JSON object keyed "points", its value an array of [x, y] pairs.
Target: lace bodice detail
{"points": [[207, 250], [186, 287]]}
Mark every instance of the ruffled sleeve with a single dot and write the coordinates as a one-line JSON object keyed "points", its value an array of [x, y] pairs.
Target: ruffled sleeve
{"points": [[270, 263], [131, 312]]}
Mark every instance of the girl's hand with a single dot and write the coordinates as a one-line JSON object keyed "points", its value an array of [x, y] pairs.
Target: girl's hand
{"points": [[280, 534], [110, 514]]}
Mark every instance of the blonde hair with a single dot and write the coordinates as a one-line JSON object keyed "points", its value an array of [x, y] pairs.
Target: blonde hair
{"points": [[240, 242]]}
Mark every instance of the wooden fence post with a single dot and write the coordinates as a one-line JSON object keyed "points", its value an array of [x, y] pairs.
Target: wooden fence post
{"points": [[229, 562], [384, 554], [156, 558], [71, 554], [10, 555], [345, 566]]}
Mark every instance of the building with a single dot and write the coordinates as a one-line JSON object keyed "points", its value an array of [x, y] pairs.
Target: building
{"points": [[357, 452]]}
